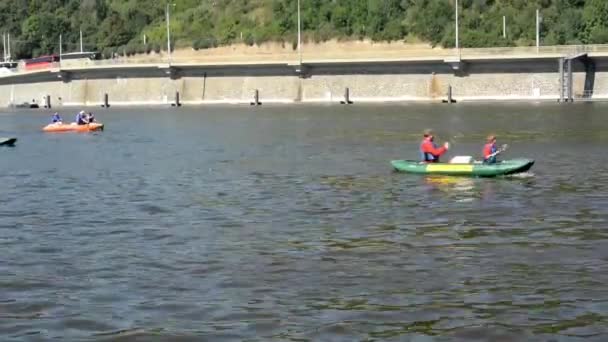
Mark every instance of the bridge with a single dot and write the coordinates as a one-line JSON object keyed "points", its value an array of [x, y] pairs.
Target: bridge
{"points": [[562, 61]]}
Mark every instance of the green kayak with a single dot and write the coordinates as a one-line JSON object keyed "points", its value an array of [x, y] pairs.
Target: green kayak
{"points": [[476, 169]]}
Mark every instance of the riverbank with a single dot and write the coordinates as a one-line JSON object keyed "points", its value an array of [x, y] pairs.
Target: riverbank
{"points": [[508, 74]]}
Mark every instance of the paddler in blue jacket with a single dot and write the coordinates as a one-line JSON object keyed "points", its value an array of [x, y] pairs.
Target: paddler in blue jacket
{"points": [[56, 118], [81, 118]]}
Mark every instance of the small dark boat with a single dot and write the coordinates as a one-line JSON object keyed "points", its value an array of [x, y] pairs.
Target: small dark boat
{"points": [[27, 105], [8, 141]]}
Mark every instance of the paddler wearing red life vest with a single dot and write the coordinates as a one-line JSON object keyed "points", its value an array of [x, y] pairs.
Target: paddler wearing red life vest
{"points": [[429, 151], [490, 150]]}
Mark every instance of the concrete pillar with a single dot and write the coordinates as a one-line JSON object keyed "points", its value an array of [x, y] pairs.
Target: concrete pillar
{"points": [[570, 80], [561, 79]]}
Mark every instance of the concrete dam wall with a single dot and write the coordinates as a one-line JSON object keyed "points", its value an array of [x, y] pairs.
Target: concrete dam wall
{"points": [[367, 81]]}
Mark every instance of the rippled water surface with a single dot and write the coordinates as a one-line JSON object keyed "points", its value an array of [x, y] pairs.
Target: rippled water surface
{"points": [[288, 224]]}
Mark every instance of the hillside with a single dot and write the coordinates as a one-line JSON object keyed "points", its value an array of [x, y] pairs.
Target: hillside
{"points": [[111, 26]]}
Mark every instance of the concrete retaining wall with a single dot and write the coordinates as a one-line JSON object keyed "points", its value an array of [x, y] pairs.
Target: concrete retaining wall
{"points": [[368, 82]]}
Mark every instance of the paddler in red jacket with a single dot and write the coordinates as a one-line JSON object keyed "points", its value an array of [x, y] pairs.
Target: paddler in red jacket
{"points": [[428, 149], [490, 150]]}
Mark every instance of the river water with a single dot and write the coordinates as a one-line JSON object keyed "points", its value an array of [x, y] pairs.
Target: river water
{"points": [[287, 224]]}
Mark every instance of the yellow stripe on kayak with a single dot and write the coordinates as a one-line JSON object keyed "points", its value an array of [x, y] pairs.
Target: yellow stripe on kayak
{"points": [[449, 168]]}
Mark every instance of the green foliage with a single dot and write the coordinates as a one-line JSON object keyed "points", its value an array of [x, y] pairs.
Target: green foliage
{"points": [[118, 26]]}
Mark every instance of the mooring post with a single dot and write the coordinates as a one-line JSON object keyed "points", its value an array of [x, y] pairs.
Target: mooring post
{"points": [[256, 98], [105, 102], [346, 97], [176, 103], [449, 99], [450, 93]]}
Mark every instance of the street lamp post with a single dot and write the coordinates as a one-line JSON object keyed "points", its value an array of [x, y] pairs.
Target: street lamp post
{"points": [[299, 34], [537, 30], [504, 26], [168, 35], [60, 47], [457, 45]]}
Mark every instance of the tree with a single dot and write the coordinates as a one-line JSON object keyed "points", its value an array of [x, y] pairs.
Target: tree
{"points": [[35, 25], [595, 15]]}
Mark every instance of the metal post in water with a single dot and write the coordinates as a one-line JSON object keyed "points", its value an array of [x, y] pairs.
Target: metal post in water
{"points": [[106, 102], [346, 96], [450, 93], [177, 103], [256, 98]]}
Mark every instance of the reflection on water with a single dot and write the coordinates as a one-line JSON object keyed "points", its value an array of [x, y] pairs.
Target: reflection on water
{"points": [[459, 189], [288, 224]]}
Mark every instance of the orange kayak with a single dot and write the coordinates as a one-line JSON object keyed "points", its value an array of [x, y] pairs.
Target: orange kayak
{"points": [[73, 127]]}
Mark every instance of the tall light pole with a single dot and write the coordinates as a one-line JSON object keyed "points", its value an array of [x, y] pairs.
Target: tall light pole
{"points": [[299, 34], [81, 50], [504, 26], [60, 49], [168, 35], [457, 45], [537, 30]]}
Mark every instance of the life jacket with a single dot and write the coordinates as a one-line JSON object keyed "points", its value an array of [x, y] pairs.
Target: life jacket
{"points": [[489, 149], [80, 119], [426, 156]]}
